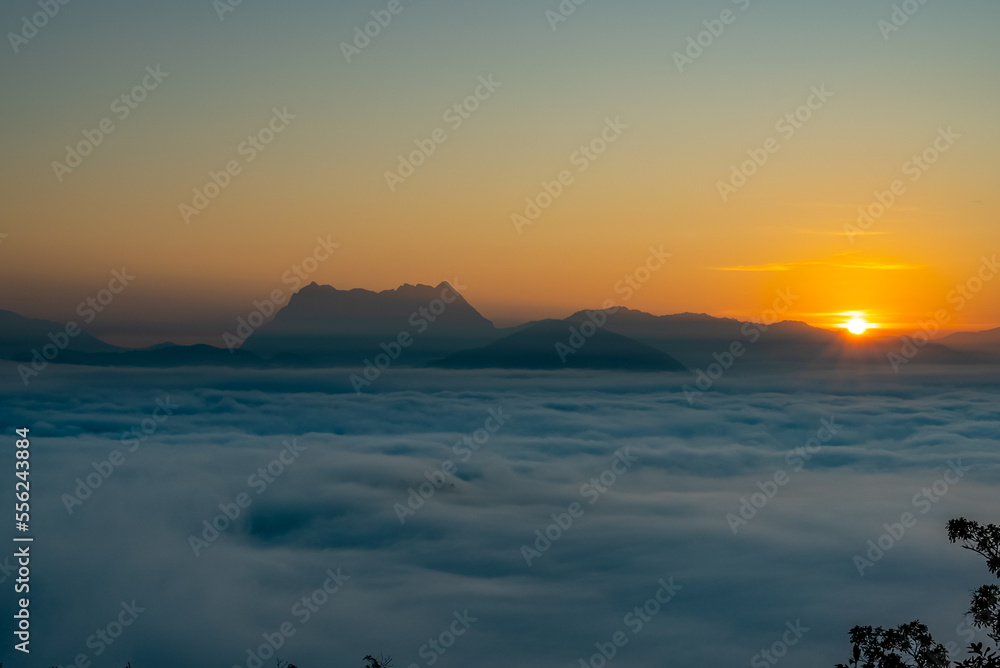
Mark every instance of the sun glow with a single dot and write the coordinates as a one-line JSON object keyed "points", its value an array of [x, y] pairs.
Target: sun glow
{"points": [[857, 323], [857, 326]]}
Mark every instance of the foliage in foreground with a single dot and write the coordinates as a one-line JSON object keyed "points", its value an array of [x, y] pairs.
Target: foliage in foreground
{"points": [[911, 645]]}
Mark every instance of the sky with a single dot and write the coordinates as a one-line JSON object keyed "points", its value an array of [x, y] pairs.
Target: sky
{"points": [[665, 131]]}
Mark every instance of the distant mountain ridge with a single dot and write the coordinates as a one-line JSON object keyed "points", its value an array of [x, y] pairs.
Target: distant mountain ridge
{"points": [[322, 322], [20, 335], [559, 344], [164, 356], [435, 325], [986, 340], [695, 339]]}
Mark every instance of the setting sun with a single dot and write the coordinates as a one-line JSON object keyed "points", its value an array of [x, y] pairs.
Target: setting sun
{"points": [[858, 325]]}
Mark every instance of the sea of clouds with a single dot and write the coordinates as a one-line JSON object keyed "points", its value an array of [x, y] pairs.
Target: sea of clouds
{"points": [[652, 486]]}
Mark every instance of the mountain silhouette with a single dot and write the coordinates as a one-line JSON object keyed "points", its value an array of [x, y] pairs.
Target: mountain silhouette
{"points": [[563, 344], [420, 325], [19, 335], [162, 356], [696, 339], [984, 342], [322, 323]]}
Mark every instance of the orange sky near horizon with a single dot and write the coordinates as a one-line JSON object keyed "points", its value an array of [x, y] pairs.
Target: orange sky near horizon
{"points": [[806, 128]]}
